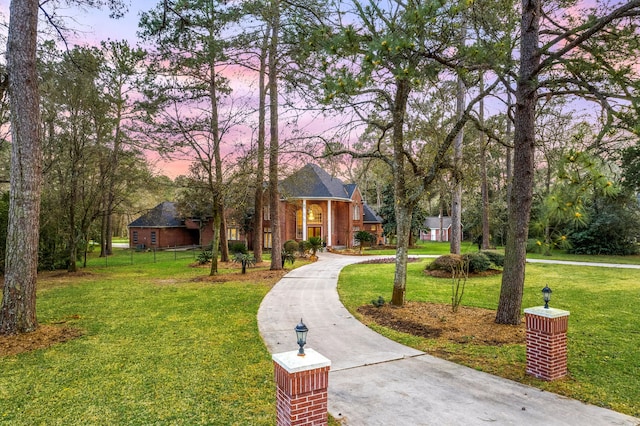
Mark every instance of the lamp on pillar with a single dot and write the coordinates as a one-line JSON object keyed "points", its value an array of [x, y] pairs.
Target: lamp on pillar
{"points": [[301, 335], [546, 296]]}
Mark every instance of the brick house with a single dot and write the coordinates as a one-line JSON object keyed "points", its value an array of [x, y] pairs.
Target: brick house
{"points": [[161, 227], [313, 203], [316, 204]]}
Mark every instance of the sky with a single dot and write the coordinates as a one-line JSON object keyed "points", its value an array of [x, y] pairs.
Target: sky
{"points": [[93, 26], [96, 24]]}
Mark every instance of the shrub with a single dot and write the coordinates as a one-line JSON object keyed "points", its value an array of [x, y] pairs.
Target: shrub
{"points": [[303, 248], [608, 234], [495, 257], [379, 302], [244, 260], [534, 245], [477, 262], [448, 262], [287, 257], [238, 248], [315, 245], [291, 246], [205, 256]]}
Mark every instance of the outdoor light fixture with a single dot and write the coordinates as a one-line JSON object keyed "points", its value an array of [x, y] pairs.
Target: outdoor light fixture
{"points": [[301, 335], [546, 295]]}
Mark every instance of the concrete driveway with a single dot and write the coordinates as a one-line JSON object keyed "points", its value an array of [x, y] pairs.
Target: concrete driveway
{"points": [[375, 381]]}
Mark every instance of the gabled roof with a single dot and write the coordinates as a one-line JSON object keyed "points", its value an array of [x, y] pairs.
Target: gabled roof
{"points": [[433, 222], [350, 188], [369, 215], [311, 181], [164, 215]]}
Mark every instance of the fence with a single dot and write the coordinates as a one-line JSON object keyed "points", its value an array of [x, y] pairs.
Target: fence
{"points": [[129, 256]]}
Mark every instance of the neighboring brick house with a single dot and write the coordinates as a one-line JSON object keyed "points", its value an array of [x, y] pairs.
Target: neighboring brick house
{"points": [[161, 227], [316, 204], [313, 204]]}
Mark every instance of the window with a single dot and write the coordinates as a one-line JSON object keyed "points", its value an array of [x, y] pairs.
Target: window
{"points": [[266, 212], [314, 214], [374, 228], [233, 234], [299, 224], [356, 212], [135, 237], [266, 235], [153, 237]]}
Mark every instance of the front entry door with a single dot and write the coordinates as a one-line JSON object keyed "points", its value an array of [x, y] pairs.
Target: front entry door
{"points": [[314, 231]]}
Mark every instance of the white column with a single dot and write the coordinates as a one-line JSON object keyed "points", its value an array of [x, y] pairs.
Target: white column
{"points": [[329, 224], [304, 220]]}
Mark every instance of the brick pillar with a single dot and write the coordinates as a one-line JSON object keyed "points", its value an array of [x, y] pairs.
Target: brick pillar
{"points": [[302, 383], [546, 342]]}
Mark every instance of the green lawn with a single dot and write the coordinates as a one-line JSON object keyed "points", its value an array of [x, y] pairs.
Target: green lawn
{"points": [[604, 332], [158, 348], [161, 347], [437, 248]]}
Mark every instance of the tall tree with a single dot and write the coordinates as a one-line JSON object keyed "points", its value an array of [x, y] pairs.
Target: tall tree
{"points": [[18, 311], [388, 58], [119, 76], [75, 149], [258, 207], [577, 57], [456, 196], [274, 145], [191, 53]]}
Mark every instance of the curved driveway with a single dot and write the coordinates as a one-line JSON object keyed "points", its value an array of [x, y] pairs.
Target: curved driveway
{"points": [[375, 381]]}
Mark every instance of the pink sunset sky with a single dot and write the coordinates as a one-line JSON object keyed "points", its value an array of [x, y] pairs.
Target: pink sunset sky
{"points": [[93, 26]]}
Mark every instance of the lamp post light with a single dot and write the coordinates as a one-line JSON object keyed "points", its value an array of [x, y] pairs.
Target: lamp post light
{"points": [[301, 335], [546, 296]]}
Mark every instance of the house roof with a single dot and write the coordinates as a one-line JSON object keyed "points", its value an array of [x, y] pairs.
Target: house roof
{"points": [[433, 222], [164, 215], [312, 181], [369, 215], [350, 188]]}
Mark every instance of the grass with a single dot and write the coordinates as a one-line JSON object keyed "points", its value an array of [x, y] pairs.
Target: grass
{"points": [[158, 348], [603, 330], [440, 248]]}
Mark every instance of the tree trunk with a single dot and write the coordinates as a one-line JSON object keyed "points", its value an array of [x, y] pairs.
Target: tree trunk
{"points": [[215, 243], [509, 153], [403, 206], [262, 111], [403, 229], [456, 196], [512, 287], [73, 233], [485, 244], [103, 228], [18, 311], [274, 196], [224, 241], [485, 198]]}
